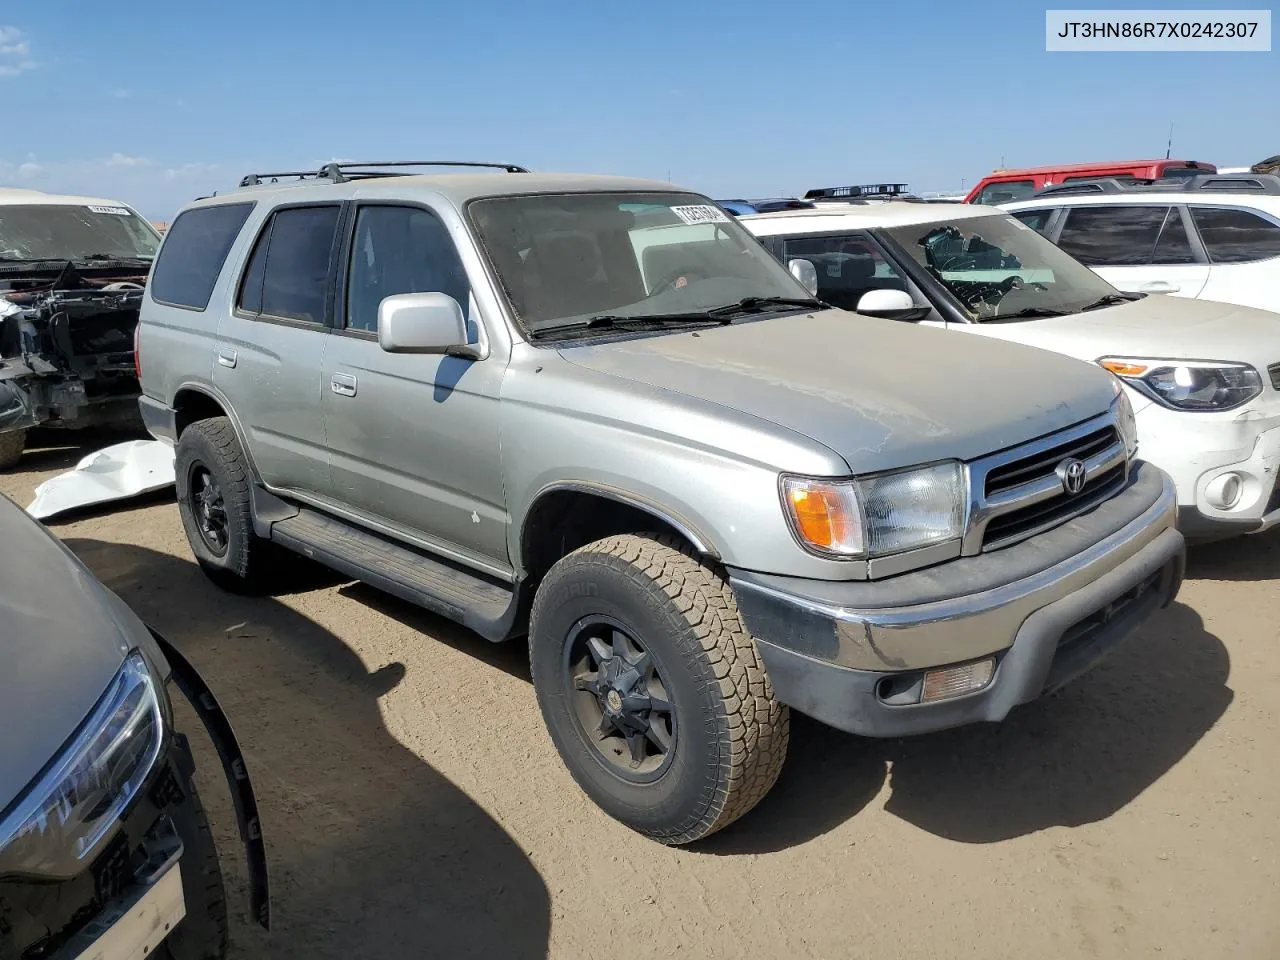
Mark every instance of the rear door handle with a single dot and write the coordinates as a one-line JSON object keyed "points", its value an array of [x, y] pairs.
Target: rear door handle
{"points": [[1158, 286], [343, 384], [227, 358]]}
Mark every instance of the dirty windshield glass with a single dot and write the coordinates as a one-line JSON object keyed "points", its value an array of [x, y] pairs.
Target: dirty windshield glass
{"points": [[1001, 269], [69, 232], [566, 258]]}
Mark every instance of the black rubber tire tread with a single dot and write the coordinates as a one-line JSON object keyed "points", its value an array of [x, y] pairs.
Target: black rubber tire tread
{"points": [[12, 444], [753, 727], [203, 932], [214, 443]]}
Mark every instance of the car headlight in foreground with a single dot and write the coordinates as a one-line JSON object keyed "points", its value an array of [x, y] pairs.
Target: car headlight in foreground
{"points": [[76, 803], [880, 515], [1126, 422], [1206, 385]]}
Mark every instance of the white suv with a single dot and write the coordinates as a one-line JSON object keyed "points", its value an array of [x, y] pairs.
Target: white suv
{"points": [[1207, 237], [1203, 378]]}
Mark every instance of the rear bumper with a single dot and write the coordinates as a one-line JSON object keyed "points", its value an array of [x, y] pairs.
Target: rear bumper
{"points": [[832, 655], [159, 419]]}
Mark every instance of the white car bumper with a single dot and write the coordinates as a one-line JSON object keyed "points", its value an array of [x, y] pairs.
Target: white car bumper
{"points": [[1201, 450]]}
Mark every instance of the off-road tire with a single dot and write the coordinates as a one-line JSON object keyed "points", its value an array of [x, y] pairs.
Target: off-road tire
{"points": [[12, 444], [202, 933], [213, 445], [732, 733]]}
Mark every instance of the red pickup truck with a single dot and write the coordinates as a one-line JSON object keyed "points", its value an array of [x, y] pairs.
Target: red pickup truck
{"points": [[1006, 186]]}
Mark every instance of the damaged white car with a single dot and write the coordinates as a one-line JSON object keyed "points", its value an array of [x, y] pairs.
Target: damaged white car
{"points": [[72, 271]]}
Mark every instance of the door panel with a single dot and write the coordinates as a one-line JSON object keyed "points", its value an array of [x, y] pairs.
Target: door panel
{"points": [[413, 438], [271, 347]]}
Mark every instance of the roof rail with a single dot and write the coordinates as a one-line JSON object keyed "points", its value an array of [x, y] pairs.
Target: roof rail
{"points": [[1206, 182], [858, 190], [347, 171]]}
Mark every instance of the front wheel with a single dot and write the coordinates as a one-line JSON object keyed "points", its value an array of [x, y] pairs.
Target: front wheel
{"points": [[652, 690], [11, 446]]}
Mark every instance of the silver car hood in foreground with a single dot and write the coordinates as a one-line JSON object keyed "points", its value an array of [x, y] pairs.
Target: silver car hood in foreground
{"points": [[60, 645], [880, 393]]}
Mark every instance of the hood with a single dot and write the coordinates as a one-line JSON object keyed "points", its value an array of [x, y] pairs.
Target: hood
{"points": [[61, 644], [880, 393], [1157, 326]]}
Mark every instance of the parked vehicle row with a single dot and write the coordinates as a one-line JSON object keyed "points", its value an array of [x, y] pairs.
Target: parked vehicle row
{"points": [[596, 412], [71, 276]]}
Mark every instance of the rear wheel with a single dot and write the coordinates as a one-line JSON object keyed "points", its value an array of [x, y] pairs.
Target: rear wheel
{"points": [[213, 491], [11, 446], [652, 689]]}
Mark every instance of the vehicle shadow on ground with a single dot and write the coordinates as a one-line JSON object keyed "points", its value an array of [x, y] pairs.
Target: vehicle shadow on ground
{"points": [[1074, 758], [1245, 559], [371, 851]]}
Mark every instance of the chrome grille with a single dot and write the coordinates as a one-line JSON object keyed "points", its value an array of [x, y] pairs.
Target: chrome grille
{"points": [[1274, 371], [1017, 493]]}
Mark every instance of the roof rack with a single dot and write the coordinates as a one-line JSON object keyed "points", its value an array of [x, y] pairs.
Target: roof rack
{"points": [[1206, 182], [858, 191], [351, 170]]}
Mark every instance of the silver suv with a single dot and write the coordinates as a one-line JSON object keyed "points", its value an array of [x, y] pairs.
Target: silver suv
{"points": [[596, 412]]}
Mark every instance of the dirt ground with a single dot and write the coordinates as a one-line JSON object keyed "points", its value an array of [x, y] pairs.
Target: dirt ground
{"points": [[413, 806]]}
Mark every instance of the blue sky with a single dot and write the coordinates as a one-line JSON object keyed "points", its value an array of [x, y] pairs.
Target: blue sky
{"points": [[156, 103]]}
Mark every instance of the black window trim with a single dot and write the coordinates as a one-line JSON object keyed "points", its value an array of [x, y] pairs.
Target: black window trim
{"points": [[1198, 249], [348, 226], [1051, 226], [251, 204], [268, 225], [1193, 229]]}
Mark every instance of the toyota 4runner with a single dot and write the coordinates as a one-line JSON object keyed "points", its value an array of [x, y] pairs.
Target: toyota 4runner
{"points": [[596, 412]]}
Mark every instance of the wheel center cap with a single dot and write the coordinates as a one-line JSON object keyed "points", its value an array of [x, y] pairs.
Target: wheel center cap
{"points": [[613, 700]]}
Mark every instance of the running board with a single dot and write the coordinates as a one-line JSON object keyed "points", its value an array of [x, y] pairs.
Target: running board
{"points": [[486, 606]]}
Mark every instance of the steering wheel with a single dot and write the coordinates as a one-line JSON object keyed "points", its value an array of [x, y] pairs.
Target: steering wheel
{"points": [[669, 282]]}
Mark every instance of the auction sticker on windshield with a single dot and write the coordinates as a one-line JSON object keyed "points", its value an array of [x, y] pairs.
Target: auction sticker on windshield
{"points": [[118, 211], [701, 213]]}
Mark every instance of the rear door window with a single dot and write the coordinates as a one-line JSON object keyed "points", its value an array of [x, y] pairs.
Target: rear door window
{"points": [[1006, 191], [192, 255], [1236, 236], [287, 277], [1112, 236]]}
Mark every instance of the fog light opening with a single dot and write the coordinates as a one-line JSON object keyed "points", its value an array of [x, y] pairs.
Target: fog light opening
{"points": [[1223, 492], [956, 681]]}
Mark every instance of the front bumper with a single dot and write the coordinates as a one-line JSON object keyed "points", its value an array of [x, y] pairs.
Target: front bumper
{"points": [[1046, 610], [1198, 448], [126, 886]]}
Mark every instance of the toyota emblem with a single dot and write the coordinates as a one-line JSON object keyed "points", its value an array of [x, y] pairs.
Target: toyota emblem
{"points": [[1071, 472]]}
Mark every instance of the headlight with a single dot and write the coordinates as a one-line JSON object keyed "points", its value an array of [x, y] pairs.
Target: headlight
{"points": [[880, 515], [76, 804], [1125, 420], [1189, 384]]}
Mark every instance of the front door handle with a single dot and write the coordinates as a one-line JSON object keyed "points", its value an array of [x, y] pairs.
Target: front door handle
{"points": [[227, 358], [1158, 286], [343, 384]]}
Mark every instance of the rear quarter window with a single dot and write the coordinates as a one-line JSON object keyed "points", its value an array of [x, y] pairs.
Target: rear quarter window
{"points": [[1236, 236], [193, 252]]}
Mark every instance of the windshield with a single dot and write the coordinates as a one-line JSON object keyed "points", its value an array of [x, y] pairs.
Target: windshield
{"points": [[998, 266], [565, 258], [67, 232]]}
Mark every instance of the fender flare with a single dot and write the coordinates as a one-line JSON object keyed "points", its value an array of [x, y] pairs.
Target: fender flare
{"points": [[207, 708]]}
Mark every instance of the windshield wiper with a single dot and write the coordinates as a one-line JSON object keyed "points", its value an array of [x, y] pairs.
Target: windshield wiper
{"points": [[1109, 300], [653, 319], [757, 304], [1026, 313], [114, 257]]}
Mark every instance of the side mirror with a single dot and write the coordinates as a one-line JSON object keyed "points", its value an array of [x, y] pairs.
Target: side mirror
{"points": [[806, 273], [423, 323], [891, 304]]}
